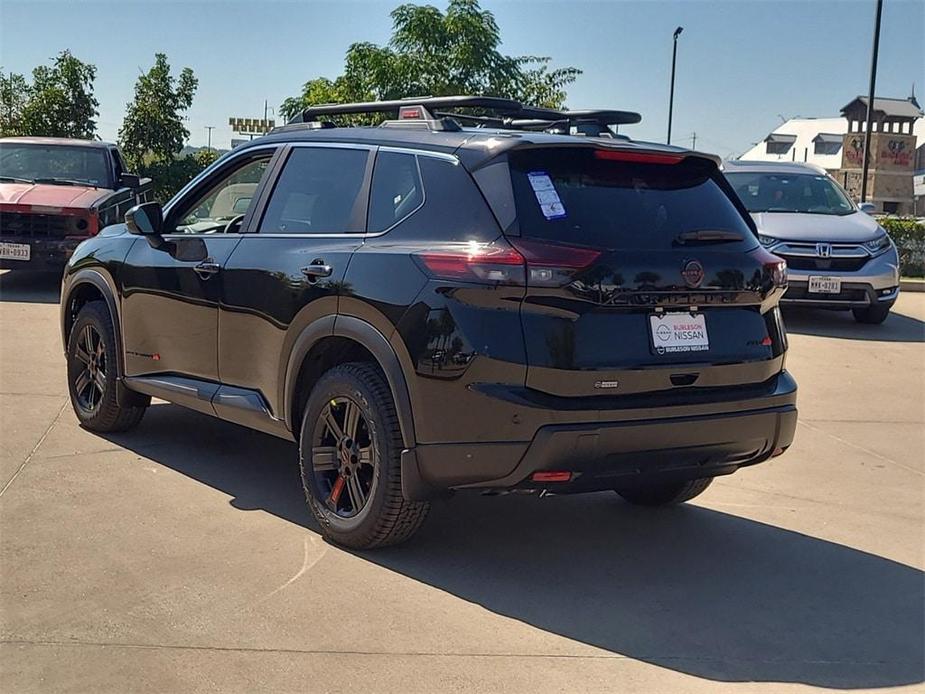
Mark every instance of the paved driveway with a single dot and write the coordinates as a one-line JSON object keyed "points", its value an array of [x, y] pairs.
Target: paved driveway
{"points": [[180, 556]]}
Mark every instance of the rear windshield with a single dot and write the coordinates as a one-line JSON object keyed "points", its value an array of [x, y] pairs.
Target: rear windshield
{"points": [[572, 196]]}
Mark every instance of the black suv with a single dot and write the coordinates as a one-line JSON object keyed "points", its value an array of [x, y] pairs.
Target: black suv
{"points": [[529, 303]]}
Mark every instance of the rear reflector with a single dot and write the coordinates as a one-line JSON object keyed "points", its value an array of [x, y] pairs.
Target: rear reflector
{"points": [[637, 157], [551, 476]]}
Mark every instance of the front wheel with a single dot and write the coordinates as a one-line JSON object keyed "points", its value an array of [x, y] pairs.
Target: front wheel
{"points": [[664, 494], [872, 314], [349, 451], [100, 401]]}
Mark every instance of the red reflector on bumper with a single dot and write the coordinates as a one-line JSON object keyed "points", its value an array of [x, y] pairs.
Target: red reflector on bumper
{"points": [[551, 476]]}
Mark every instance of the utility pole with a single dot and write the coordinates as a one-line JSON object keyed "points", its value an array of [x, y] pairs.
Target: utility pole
{"points": [[210, 128], [693, 140], [870, 101], [674, 60]]}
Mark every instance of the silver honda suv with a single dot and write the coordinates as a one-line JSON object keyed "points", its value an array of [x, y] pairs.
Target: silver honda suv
{"points": [[838, 257]]}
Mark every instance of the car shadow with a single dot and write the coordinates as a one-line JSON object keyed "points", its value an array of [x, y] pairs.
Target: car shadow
{"points": [[698, 591], [896, 328], [24, 286]]}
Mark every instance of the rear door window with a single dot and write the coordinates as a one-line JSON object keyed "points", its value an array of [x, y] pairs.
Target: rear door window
{"points": [[318, 192], [576, 197]]}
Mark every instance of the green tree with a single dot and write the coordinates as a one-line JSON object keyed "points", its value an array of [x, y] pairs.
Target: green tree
{"points": [[60, 100], [438, 53], [153, 129], [14, 95]]}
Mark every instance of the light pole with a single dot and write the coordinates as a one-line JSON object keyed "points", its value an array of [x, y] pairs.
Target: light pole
{"points": [[674, 60], [870, 101], [210, 128]]}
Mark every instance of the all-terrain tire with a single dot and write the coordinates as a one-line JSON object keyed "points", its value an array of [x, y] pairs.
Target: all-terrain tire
{"points": [[114, 408], [387, 518], [665, 494]]}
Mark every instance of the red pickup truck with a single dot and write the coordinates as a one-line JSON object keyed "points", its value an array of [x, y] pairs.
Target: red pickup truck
{"points": [[55, 193]]}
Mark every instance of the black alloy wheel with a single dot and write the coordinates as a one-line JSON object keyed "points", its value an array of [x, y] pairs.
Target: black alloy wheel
{"points": [[90, 383], [342, 457]]}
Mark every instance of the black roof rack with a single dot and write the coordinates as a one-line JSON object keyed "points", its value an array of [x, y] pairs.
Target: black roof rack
{"points": [[428, 103], [422, 111]]}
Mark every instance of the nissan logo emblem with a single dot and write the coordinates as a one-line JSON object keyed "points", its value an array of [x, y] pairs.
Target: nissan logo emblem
{"points": [[692, 272]]}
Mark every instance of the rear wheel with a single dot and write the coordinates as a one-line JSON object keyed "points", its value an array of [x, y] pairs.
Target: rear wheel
{"points": [[349, 450], [99, 399], [872, 314], [664, 494]]}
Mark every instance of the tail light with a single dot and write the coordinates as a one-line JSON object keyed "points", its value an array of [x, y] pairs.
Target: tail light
{"points": [[774, 266], [553, 264], [487, 263], [517, 262]]}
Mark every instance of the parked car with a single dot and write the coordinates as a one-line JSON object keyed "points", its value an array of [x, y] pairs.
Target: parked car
{"points": [[838, 256], [426, 308], [55, 193]]}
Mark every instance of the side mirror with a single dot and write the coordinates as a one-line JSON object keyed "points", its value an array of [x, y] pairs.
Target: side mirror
{"points": [[130, 180], [146, 219], [867, 208]]}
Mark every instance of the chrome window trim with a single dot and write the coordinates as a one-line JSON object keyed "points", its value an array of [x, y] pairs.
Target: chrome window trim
{"points": [[451, 158]]}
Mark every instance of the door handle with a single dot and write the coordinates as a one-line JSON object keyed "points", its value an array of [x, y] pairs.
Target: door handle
{"points": [[317, 269], [207, 268]]}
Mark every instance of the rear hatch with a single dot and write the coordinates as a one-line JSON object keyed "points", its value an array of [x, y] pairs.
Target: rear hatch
{"points": [[643, 274]]}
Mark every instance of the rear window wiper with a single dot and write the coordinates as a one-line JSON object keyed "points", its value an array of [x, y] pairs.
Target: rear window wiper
{"points": [[708, 236], [16, 179]]}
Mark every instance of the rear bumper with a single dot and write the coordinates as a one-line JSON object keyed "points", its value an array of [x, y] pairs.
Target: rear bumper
{"points": [[618, 448], [45, 254]]}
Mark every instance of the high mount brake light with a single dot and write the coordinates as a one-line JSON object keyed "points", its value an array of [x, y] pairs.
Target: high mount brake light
{"points": [[410, 113], [516, 262], [637, 157]]}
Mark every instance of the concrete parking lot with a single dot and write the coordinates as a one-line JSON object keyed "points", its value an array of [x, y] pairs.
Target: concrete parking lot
{"points": [[180, 556]]}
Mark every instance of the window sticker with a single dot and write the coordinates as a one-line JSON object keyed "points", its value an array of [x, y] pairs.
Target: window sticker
{"points": [[546, 195]]}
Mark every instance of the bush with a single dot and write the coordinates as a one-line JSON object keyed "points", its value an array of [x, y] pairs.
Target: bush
{"points": [[909, 237]]}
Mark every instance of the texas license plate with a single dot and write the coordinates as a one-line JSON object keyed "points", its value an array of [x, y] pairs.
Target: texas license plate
{"points": [[679, 332], [824, 285], [15, 251]]}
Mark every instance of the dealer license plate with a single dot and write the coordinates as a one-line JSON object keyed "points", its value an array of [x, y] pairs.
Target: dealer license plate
{"points": [[679, 332], [15, 251], [824, 285]]}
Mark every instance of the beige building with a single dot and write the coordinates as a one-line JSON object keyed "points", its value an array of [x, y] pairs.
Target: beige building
{"points": [[837, 145]]}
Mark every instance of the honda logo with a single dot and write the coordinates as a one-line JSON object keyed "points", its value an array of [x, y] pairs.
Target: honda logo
{"points": [[824, 250]]}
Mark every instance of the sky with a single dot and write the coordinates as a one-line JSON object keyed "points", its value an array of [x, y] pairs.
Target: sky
{"points": [[742, 65]]}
